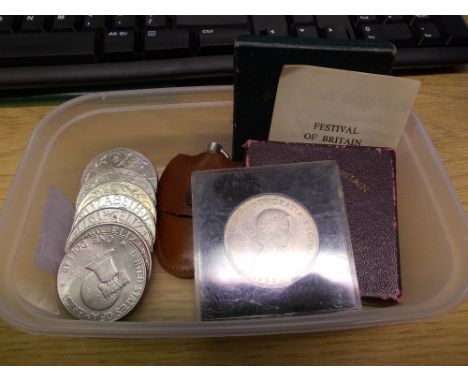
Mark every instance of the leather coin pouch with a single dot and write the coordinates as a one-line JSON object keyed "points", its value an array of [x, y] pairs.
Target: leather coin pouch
{"points": [[174, 245]]}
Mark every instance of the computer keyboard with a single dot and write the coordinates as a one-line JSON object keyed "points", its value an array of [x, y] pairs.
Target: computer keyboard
{"points": [[50, 52]]}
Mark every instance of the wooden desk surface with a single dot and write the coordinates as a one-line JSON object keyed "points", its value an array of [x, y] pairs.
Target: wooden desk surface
{"points": [[443, 107]]}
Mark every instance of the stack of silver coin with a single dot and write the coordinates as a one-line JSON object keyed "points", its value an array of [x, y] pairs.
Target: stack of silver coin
{"points": [[107, 258]]}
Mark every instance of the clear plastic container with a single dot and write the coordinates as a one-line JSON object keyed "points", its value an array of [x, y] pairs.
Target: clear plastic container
{"points": [[161, 123]]}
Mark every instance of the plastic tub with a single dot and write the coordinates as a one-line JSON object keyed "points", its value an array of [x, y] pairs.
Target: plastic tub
{"points": [[161, 123]]}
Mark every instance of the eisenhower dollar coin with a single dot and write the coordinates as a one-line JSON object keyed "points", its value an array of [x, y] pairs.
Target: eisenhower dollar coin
{"points": [[271, 240], [122, 158], [105, 229], [108, 252], [120, 201], [111, 215], [116, 175], [101, 278], [119, 188]]}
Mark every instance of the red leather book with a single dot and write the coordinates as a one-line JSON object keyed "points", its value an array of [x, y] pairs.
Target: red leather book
{"points": [[369, 186]]}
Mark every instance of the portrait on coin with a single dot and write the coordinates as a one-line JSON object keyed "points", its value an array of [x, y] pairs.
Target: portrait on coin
{"points": [[271, 240], [272, 232]]}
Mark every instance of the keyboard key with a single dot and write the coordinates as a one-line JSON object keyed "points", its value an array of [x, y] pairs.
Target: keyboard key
{"points": [[166, 43], [393, 19], [119, 45], [418, 19], [336, 32], [123, 22], [370, 32], [6, 24], [398, 34], [63, 23], [358, 20], [335, 22], [155, 21], [205, 21], [302, 20], [32, 24], [428, 35], [94, 22], [307, 31], [325, 21], [456, 29], [219, 40], [270, 25], [47, 48]]}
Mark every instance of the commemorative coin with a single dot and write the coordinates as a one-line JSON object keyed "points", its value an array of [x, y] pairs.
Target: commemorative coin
{"points": [[271, 240]]}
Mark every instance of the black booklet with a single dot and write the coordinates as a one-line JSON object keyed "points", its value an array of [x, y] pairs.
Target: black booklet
{"points": [[259, 60]]}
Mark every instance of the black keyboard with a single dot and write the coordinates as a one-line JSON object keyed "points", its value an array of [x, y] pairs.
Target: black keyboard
{"points": [[50, 52]]}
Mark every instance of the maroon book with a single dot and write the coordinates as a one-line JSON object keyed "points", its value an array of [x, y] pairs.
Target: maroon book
{"points": [[369, 186]]}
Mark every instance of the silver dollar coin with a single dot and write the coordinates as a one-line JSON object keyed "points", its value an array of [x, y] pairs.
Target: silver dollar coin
{"points": [[123, 158], [271, 240], [111, 215], [120, 201], [101, 278], [120, 188], [116, 175], [102, 230]]}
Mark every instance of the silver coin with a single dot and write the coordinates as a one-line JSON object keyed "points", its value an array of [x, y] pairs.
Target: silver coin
{"points": [[101, 278], [115, 175], [271, 240], [119, 188], [120, 201], [123, 158], [110, 216], [120, 230]]}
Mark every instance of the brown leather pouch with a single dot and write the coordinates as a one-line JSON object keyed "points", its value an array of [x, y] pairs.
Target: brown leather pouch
{"points": [[174, 245]]}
